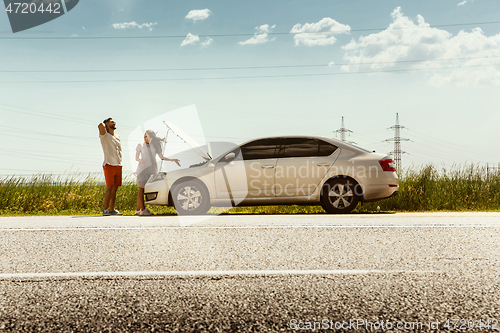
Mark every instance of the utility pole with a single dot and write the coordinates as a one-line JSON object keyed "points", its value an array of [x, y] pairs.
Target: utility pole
{"points": [[342, 130], [397, 143]]}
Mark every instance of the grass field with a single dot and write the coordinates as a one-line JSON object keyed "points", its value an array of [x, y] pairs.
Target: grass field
{"points": [[467, 188]]}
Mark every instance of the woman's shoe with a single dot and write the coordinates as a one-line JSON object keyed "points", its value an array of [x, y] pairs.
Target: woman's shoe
{"points": [[146, 212]]}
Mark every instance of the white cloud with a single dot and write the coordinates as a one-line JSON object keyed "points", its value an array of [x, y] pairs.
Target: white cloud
{"points": [[190, 40], [320, 33], [467, 55], [133, 25], [198, 14], [195, 39], [207, 42], [464, 2], [260, 37], [265, 28]]}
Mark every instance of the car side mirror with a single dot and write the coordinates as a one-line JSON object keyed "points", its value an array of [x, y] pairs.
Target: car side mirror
{"points": [[229, 157]]}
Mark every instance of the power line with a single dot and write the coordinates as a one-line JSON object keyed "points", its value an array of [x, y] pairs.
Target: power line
{"points": [[50, 134], [46, 114], [242, 67], [6, 176], [46, 158], [159, 69], [445, 154], [51, 141], [462, 148], [254, 77], [248, 34]]}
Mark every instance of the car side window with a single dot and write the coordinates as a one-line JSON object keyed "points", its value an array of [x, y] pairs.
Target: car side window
{"points": [[326, 148], [305, 147], [261, 149], [301, 147]]}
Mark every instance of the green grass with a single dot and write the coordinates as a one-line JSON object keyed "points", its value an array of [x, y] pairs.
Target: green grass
{"points": [[79, 195], [467, 188]]}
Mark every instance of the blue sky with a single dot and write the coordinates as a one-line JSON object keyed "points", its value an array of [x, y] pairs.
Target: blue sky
{"points": [[373, 59]]}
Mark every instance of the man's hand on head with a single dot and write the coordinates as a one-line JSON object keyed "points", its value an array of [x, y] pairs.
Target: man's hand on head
{"points": [[102, 128]]}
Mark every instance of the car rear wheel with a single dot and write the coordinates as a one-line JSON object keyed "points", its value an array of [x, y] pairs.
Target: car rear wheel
{"points": [[338, 196], [191, 198]]}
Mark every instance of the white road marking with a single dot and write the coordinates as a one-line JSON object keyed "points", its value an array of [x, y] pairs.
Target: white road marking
{"points": [[496, 225], [409, 220], [200, 273]]}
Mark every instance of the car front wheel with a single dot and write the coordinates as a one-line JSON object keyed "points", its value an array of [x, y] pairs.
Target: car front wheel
{"points": [[191, 198], [338, 196]]}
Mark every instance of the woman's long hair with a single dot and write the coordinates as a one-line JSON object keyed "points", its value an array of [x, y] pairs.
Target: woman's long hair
{"points": [[155, 141]]}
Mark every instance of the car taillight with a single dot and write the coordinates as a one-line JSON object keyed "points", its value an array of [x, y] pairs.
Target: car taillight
{"points": [[387, 165]]}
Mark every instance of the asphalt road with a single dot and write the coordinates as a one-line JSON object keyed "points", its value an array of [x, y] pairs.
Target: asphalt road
{"points": [[364, 273]]}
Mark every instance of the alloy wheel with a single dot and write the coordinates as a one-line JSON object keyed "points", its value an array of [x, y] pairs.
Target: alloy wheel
{"points": [[341, 196]]}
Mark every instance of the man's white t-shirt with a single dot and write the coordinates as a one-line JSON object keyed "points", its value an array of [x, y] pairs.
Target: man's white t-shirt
{"points": [[112, 148]]}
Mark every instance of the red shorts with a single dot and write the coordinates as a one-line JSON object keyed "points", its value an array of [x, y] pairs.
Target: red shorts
{"points": [[113, 175]]}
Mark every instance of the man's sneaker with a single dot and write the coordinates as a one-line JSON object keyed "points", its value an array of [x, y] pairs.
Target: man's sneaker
{"points": [[146, 212], [137, 212], [106, 212], [115, 212]]}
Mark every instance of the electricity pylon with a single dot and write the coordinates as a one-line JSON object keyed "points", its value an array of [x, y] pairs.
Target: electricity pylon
{"points": [[397, 143], [342, 130]]}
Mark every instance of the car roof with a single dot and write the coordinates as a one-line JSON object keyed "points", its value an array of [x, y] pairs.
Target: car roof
{"points": [[292, 137], [338, 143]]}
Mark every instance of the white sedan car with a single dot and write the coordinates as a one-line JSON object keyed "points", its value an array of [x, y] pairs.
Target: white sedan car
{"points": [[285, 170]]}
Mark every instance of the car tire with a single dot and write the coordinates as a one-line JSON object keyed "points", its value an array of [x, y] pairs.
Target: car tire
{"points": [[339, 196], [191, 198]]}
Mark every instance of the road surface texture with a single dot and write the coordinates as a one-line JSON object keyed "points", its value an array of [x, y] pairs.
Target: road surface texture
{"points": [[425, 272]]}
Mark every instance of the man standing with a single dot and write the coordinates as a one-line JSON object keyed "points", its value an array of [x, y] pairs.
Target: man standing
{"points": [[112, 165]]}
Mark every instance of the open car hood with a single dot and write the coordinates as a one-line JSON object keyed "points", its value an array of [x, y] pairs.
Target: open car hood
{"points": [[187, 139]]}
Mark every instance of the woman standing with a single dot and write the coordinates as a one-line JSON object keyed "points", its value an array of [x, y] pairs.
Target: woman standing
{"points": [[146, 156]]}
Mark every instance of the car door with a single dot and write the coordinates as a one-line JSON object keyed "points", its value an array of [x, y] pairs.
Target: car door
{"points": [[251, 173], [303, 165]]}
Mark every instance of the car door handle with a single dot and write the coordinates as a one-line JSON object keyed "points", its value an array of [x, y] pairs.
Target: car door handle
{"points": [[267, 166], [323, 164]]}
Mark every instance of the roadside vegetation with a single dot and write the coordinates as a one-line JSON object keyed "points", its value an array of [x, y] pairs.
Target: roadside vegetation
{"points": [[469, 188], [466, 188]]}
